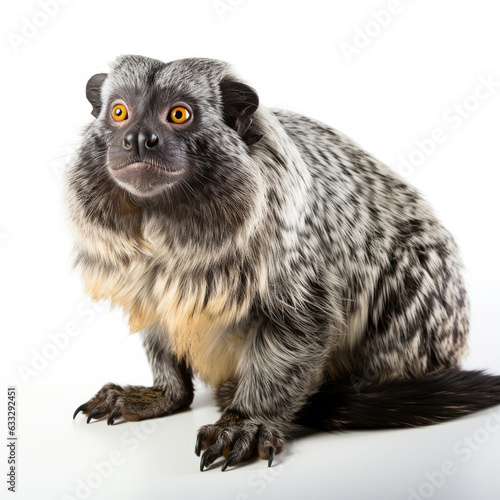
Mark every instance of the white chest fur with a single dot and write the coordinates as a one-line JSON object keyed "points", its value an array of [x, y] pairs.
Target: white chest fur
{"points": [[200, 315]]}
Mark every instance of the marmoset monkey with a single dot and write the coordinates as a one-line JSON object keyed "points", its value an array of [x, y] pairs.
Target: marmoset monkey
{"points": [[269, 255]]}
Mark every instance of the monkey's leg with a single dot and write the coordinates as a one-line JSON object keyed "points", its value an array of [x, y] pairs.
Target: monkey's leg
{"points": [[172, 387], [224, 393], [281, 370]]}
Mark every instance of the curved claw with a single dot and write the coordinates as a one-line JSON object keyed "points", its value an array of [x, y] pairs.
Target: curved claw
{"points": [[199, 444], [78, 410], [228, 462], [209, 457], [115, 413], [270, 453], [203, 460], [93, 414]]}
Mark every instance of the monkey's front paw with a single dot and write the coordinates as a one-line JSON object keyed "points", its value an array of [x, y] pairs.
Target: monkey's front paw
{"points": [[237, 439], [130, 402]]}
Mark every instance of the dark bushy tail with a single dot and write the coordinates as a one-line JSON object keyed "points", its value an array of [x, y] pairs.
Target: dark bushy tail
{"points": [[412, 402]]}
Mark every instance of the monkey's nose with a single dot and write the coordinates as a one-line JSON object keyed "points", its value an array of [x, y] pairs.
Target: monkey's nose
{"points": [[147, 140], [130, 141], [140, 142], [151, 141]]}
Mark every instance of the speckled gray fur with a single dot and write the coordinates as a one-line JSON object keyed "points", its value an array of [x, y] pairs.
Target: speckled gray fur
{"points": [[337, 268]]}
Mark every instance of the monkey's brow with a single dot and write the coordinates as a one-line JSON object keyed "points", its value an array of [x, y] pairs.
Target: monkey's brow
{"points": [[161, 96]]}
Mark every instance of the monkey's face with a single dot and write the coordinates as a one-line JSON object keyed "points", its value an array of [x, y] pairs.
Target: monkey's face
{"points": [[179, 126], [146, 149]]}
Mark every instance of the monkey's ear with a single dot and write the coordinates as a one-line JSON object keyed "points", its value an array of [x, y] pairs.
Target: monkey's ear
{"points": [[93, 92], [239, 103]]}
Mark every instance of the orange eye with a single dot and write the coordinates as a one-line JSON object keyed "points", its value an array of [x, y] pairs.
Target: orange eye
{"points": [[179, 114], [120, 113]]}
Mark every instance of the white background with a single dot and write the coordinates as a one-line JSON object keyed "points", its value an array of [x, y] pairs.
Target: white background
{"points": [[396, 90]]}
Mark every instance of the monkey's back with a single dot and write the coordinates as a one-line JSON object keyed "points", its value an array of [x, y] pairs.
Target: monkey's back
{"points": [[406, 305]]}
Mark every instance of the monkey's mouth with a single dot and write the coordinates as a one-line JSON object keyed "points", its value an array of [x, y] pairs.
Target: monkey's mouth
{"points": [[144, 178], [141, 167]]}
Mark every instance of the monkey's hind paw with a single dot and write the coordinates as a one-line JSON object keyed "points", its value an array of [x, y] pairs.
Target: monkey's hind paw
{"points": [[237, 439], [130, 402]]}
